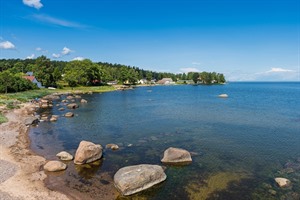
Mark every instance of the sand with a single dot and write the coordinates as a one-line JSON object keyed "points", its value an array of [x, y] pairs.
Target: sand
{"points": [[21, 174]]}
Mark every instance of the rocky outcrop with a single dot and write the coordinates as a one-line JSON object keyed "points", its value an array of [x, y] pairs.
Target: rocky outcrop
{"points": [[54, 166], [72, 106], [283, 182], [132, 179], [64, 156], [87, 152], [31, 120], [69, 114], [176, 155]]}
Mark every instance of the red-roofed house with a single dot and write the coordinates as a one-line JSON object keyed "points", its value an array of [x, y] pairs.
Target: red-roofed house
{"points": [[33, 79]]}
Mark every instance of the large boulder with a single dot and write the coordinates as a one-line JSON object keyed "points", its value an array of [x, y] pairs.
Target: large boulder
{"points": [[132, 179], [54, 166], [87, 152], [31, 120], [176, 155], [72, 106], [283, 182], [64, 155]]}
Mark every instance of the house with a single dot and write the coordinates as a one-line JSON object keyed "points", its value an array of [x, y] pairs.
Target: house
{"points": [[166, 81], [143, 81], [32, 78]]}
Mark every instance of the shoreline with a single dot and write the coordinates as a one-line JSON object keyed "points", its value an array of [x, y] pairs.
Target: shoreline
{"points": [[21, 175]]}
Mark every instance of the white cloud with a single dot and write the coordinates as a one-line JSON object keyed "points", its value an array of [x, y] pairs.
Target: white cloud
{"points": [[54, 55], [38, 49], [33, 3], [31, 56], [56, 21], [196, 63], [7, 45], [66, 51], [79, 58], [278, 70], [189, 69]]}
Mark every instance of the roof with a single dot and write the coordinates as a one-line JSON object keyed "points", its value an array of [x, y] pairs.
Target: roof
{"points": [[31, 78]]}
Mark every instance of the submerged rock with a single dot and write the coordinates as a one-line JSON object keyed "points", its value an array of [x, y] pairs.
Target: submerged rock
{"points": [[176, 155], [132, 179], [53, 118], [283, 182], [69, 114], [53, 166], [64, 155], [112, 146], [87, 152]]}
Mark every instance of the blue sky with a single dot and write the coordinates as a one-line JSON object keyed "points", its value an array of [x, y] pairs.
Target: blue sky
{"points": [[247, 40]]}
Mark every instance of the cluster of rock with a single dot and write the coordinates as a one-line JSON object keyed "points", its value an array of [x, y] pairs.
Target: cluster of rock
{"points": [[128, 180], [47, 102]]}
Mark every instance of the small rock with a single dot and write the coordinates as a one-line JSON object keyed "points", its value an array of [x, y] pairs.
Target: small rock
{"points": [[223, 95], [112, 146], [83, 101], [64, 155], [70, 97], [176, 155], [72, 106], [69, 114], [61, 109], [44, 106], [53, 166], [77, 96], [283, 182]]}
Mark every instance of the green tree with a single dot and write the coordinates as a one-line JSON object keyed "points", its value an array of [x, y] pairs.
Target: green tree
{"points": [[149, 76], [196, 77], [43, 71]]}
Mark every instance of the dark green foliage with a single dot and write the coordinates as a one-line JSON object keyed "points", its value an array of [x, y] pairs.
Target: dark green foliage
{"points": [[14, 83], [85, 73]]}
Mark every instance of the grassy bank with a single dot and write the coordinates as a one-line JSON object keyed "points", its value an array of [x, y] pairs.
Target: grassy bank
{"points": [[13, 99]]}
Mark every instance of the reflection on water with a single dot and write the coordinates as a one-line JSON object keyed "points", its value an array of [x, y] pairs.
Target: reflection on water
{"points": [[239, 145]]}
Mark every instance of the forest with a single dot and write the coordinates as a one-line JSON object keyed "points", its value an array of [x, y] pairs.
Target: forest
{"points": [[86, 73]]}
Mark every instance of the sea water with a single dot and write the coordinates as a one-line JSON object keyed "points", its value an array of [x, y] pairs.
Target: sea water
{"points": [[239, 144]]}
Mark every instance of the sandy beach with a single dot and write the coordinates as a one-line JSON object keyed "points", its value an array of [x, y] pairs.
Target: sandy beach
{"points": [[21, 174]]}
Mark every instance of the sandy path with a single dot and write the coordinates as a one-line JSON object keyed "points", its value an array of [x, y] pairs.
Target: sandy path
{"points": [[21, 176]]}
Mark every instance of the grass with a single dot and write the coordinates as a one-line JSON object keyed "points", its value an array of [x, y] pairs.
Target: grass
{"points": [[12, 100], [3, 119]]}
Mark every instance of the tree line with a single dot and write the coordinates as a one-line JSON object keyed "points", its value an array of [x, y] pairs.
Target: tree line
{"points": [[85, 72]]}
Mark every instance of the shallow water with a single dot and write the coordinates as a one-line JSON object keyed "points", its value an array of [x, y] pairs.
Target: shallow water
{"points": [[239, 144]]}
